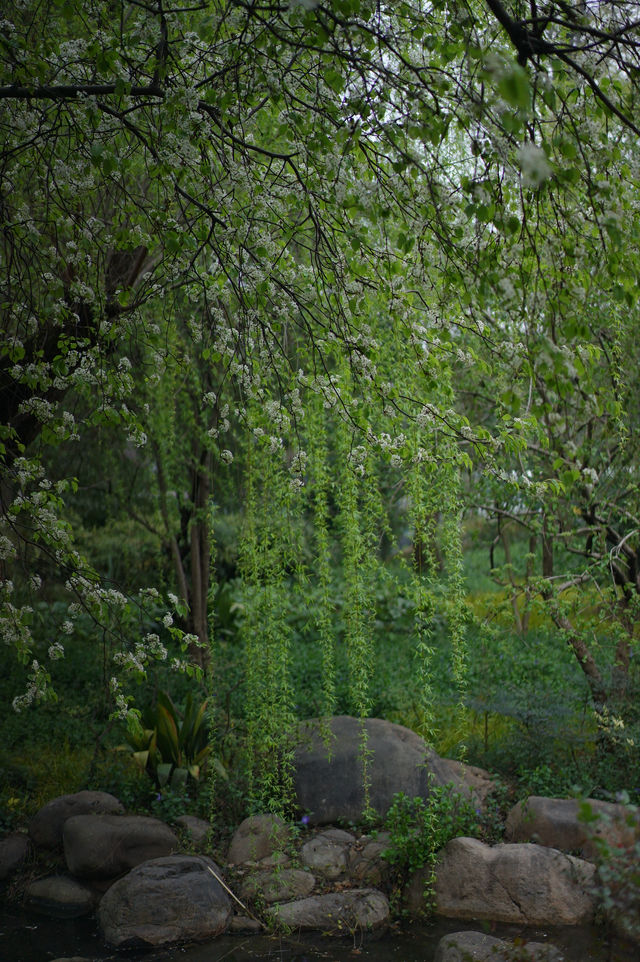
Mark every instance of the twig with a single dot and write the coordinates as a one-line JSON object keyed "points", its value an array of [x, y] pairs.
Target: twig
{"points": [[234, 897]]}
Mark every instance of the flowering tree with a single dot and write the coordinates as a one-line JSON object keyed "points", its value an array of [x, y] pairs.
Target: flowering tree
{"points": [[265, 231]]}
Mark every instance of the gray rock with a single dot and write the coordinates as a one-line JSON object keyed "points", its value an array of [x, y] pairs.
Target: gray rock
{"points": [[478, 947], [277, 859], [281, 885], [332, 788], [522, 883], [46, 825], [14, 849], [60, 897], [328, 852], [469, 780], [355, 911], [195, 828], [339, 836], [258, 837], [104, 846], [365, 863], [165, 900], [555, 822]]}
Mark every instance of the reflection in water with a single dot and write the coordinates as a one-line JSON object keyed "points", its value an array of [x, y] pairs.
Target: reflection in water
{"points": [[25, 937]]}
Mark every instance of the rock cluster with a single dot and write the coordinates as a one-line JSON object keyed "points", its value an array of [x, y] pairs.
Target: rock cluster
{"points": [[129, 869], [315, 884], [45, 828]]}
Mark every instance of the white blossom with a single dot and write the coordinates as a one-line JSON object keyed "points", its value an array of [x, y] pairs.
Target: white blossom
{"points": [[7, 549], [533, 164]]}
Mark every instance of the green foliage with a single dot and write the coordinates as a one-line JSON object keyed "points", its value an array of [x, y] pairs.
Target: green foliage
{"points": [[173, 747], [496, 807], [170, 803], [420, 828], [34, 774], [266, 552], [552, 781], [618, 880]]}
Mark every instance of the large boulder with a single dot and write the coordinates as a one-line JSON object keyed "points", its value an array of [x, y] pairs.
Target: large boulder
{"points": [[479, 947], [354, 912], [60, 897], [47, 825], [257, 838], [165, 900], [329, 781], [104, 846], [557, 822], [523, 883], [14, 849]]}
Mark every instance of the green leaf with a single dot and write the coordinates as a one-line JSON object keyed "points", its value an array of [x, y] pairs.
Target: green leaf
{"points": [[513, 86], [163, 771], [335, 80], [220, 768], [179, 778], [141, 758]]}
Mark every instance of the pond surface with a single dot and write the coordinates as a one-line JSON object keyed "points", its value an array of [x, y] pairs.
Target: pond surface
{"points": [[26, 937]]}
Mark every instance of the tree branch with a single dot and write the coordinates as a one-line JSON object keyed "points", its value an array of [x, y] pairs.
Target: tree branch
{"points": [[74, 91]]}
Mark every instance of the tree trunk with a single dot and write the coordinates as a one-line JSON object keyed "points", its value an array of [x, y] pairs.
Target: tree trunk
{"points": [[599, 695]]}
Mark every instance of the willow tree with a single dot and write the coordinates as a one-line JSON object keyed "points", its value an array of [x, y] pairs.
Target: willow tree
{"points": [[290, 208]]}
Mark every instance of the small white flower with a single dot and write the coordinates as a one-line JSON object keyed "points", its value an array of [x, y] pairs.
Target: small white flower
{"points": [[533, 164], [226, 456]]}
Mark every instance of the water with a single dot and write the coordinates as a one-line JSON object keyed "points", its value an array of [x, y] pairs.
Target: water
{"points": [[26, 937]]}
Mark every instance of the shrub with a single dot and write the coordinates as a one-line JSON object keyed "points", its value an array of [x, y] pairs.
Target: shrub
{"points": [[420, 828], [618, 872]]}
